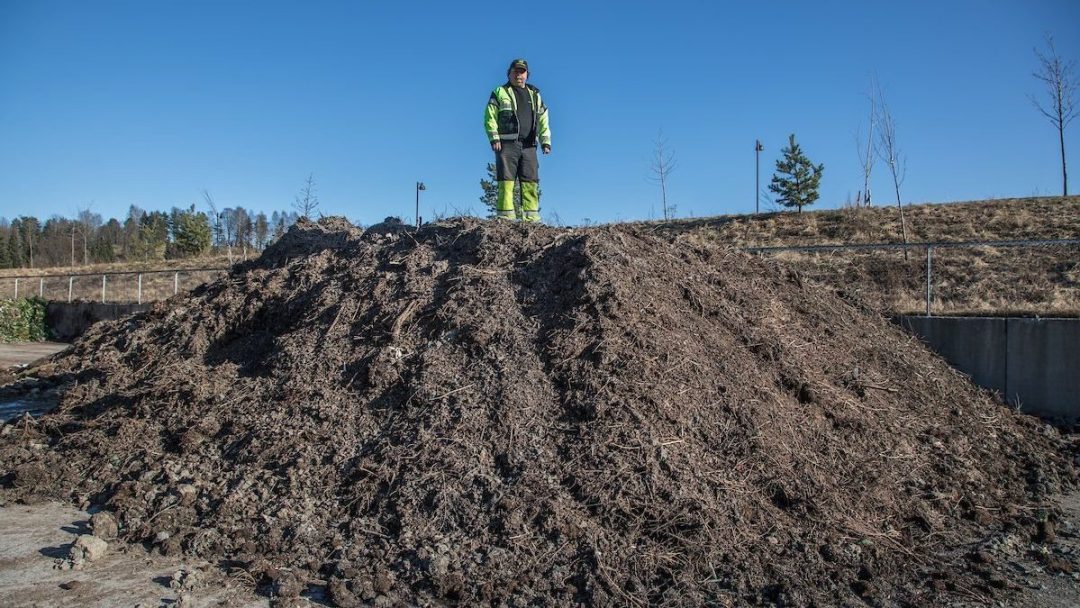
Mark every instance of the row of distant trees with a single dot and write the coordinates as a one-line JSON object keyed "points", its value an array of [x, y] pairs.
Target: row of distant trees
{"points": [[142, 236], [145, 236]]}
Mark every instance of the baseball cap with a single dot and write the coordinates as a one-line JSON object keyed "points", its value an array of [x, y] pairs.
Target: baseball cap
{"points": [[519, 63]]}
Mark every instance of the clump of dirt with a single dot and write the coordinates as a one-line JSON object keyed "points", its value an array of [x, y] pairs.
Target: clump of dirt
{"points": [[483, 412]]}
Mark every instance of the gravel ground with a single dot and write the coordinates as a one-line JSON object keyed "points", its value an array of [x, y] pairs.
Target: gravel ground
{"points": [[35, 539]]}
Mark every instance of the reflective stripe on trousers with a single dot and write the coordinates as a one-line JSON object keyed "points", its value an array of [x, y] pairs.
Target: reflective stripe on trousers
{"points": [[530, 202]]}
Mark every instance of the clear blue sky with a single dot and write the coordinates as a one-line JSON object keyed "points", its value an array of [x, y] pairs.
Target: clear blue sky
{"points": [[150, 102]]}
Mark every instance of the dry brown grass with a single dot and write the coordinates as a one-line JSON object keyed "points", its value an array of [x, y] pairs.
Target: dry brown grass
{"points": [[118, 288], [1002, 219], [217, 261], [159, 280], [966, 281], [980, 281]]}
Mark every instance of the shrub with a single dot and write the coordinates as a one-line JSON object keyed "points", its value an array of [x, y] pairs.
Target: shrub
{"points": [[22, 320]]}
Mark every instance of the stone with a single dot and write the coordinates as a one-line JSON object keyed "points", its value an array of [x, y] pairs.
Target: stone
{"points": [[104, 525], [88, 548], [187, 493]]}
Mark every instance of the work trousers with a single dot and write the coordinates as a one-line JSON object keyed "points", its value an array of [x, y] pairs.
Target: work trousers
{"points": [[515, 162]]}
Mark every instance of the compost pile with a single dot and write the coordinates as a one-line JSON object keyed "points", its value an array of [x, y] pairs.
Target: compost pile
{"points": [[481, 412]]}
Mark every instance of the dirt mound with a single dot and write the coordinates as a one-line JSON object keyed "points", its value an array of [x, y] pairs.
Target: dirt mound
{"points": [[306, 237], [482, 412]]}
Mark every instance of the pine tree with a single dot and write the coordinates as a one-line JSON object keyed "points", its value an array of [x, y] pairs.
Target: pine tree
{"points": [[15, 246], [152, 236], [796, 179], [102, 251], [490, 197], [191, 232], [5, 258], [30, 229]]}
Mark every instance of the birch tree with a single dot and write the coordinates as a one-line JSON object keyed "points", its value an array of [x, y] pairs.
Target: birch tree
{"points": [[1060, 83], [889, 151], [662, 165], [866, 153]]}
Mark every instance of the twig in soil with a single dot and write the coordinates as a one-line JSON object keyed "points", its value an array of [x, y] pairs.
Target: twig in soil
{"points": [[27, 420], [456, 390], [164, 509], [402, 319], [882, 388], [243, 576], [333, 323], [481, 270], [602, 570]]}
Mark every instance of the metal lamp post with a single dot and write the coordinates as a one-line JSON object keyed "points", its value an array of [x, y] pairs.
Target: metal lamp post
{"points": [[757, 175], [419, 186]]}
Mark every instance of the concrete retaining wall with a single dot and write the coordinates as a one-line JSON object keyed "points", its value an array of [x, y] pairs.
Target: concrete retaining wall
{"points": [[68, 321], [1033, 363]]}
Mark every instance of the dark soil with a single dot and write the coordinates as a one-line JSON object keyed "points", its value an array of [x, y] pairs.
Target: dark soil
{"points": [[488, 413]]}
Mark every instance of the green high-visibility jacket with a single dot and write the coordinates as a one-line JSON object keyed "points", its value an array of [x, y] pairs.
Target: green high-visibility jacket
{"points": [[500, 115]]}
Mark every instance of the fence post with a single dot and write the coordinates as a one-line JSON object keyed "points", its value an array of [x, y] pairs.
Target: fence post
{"points": [[928, 289], [103, 288], [175, 283], [41, 288], [71, 284], [140, 289], [16, 288]]}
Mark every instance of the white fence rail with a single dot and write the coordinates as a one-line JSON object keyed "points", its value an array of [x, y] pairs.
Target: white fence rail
{"points": [[115, 287]]}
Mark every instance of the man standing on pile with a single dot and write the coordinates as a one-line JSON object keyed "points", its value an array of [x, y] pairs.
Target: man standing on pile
{"points": [[515, 119]]}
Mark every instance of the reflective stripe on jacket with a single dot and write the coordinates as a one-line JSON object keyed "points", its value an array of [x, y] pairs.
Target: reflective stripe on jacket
{"points": [[500, 115]]}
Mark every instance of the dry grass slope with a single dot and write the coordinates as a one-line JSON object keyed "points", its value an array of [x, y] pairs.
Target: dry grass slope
{"points": [[1001, 219], [984, 280]]}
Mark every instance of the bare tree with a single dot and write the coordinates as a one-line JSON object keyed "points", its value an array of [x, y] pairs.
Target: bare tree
{"points": [[866, 159], [89, 223], [306, 201], [889, 151], [662, 165], [262, 230], [230, 223], [1061, 85], [218, 224], [243, 229], [74, 231]]}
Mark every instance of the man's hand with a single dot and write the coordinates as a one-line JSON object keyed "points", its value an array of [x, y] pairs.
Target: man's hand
{"points": [[546, 149], [496, 145]]}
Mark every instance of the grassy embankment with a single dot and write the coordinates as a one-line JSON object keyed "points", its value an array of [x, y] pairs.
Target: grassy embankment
{"points": [[1041, 281]]}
